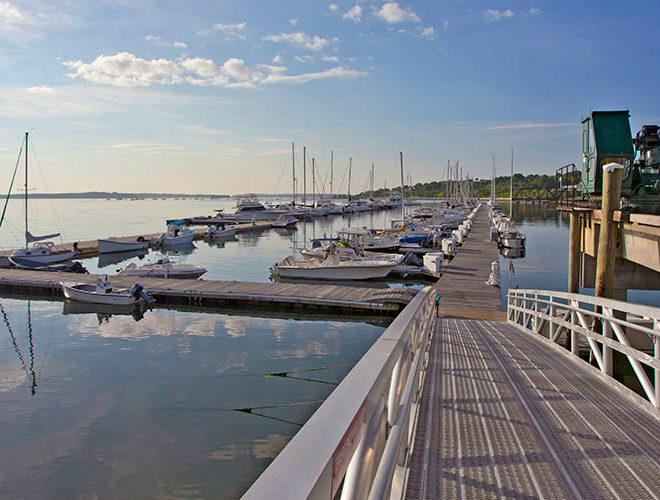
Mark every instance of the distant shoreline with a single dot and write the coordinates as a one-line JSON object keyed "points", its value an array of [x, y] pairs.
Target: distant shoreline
{"points": [[115, 195]]}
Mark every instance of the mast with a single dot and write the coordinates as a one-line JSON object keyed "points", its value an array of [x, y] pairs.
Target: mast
{"points": [[492, 180], [511, 188], [26, 189], [332, 154], [403, 209], [372, 180], [350, 164], [304, 176], [313, 184], [293, 162]]}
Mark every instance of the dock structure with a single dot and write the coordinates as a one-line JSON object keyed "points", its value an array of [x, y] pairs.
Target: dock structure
{"points": [[470, 402], [282, 296]]}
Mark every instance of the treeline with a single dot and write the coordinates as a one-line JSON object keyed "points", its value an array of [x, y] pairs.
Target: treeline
{"points": [[524, 186]]}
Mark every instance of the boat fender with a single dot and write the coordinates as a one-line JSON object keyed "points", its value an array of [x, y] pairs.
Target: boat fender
{"points": [[140, 238]]}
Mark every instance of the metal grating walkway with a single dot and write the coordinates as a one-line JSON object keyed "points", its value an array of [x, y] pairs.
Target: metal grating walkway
{"points": [[503, 415]]}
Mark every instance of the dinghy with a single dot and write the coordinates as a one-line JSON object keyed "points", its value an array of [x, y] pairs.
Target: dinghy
{"points": [[104, 293]]}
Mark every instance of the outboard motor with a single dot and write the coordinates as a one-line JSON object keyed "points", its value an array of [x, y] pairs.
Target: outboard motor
{"points": [[137, 291]]}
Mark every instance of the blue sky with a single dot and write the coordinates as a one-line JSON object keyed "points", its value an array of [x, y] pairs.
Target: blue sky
{"points": [[207, 96]]}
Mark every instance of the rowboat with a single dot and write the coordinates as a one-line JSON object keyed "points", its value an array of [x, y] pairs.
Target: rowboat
{"points": [[103, 293], [113, 245]]}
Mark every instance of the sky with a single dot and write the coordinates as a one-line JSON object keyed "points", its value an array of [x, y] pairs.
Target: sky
{"points": [[208, 96]]}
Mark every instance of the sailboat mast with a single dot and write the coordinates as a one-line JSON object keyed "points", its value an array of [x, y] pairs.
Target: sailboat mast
{"points": [[293, 163], [304, 176], [350, 164], [332, 155], [26, 189], [403, 209], [511, 188], [313, 183]]}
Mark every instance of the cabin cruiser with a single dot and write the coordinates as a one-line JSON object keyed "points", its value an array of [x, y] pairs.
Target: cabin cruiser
{"points": [[364, 240], [333, 268], [323, 247], [249, 208], [163, 268], [42, 252], [177, 235]]}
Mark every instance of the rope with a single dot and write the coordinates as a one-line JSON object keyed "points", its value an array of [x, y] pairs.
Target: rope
{"points": [[4, 210]]}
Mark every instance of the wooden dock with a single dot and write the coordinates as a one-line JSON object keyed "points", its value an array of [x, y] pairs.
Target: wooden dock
{"points": [[463, 282], [280, 296]]}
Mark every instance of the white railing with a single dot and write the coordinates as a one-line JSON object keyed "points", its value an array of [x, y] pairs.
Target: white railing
{"points": [[356, 444], [602, 325]]}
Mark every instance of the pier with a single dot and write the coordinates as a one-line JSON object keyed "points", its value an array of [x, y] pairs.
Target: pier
{"points": [[280, 296], [472, 402]]}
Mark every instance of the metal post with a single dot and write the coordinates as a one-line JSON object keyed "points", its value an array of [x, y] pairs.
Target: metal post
{"points": [[612, 174]]}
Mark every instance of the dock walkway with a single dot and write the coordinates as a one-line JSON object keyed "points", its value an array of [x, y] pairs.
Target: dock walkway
{"points": [[463, 283], [503, 415], [294, 297]]}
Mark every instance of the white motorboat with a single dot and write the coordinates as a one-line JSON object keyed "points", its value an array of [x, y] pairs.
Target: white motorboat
{"points": [[103, 293], [323, 247], [176, 235], [248, 208], [512, 239], [114, 245], [220, 231], [163, 268], [365, 241], [333, 268], [285, 222]]}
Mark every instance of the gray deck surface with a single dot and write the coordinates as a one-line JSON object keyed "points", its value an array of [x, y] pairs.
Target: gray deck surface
{"points": [[505, 416], [463, 284]]}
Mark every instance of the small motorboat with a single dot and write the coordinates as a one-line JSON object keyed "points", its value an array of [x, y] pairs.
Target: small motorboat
{"points": [[333, 268], [220, 231], [285, 222], [176, 236], [104, 293], [163, 268], [114, 245]]}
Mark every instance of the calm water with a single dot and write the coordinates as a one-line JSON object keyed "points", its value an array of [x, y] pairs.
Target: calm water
{"points": [[134, 409]]}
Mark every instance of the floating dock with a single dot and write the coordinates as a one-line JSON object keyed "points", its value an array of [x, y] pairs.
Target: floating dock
{"points": [[280, 296]]}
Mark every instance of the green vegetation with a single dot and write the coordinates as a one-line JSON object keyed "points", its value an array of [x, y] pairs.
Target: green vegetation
{"points": [[524, 186]]}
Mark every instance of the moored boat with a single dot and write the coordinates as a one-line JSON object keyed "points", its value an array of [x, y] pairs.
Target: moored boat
{"points": [[114, 245], [164, 269], [332, 268], [103, 292]]}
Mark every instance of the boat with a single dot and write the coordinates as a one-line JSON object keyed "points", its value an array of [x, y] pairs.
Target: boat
{"points": [[364, 240], [115, 245], [104, 292], [220, 231], [249, 208], [322, 247], [163, 268], [67, 267], [285, 222], [41, 251], [176, 235], [333, 268]]}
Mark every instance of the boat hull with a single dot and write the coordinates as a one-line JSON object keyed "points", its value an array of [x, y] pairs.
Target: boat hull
{"points": [[112, 246], [83, 292], [40, 257], [336, 273]]}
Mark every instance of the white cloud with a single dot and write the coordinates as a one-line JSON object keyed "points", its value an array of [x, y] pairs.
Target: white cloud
{"points": [[293, 21], [126, 70], [230, 31], [338, 72], [299, 39], [529, 125], [428, 32], [199, 130], [334, 7], [303, 59], [330, 58], [159, 41], [277, 59], [497, 15], [535, 12], [40, 90], [11, 14], [354, 14], [445, 23], [146, 147], [391, 13]]}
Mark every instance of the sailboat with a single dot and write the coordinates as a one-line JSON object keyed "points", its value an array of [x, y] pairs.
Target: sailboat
{"points": [[510, 235], [41, 251]]}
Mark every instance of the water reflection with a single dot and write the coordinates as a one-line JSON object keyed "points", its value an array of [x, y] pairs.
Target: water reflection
{"points": [[108, 259], [105, 311], [28, 366]]}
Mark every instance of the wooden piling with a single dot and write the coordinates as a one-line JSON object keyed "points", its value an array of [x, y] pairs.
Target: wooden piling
{"points": [[608, 233], [574, 253]]}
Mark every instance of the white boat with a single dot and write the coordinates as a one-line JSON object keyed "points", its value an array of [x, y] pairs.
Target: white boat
{"points": [[323, 247], [512, 239], [285, 222], [332, 268], [163, 269], [365, 241], [114, 245], [248, 208], [220, 231], [103, 293], [42, 252], [176, 235]]}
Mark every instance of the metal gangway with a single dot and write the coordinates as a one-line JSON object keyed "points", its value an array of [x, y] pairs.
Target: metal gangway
{"points": [[444, 407]]}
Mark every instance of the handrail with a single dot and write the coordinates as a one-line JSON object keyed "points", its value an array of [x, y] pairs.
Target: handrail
{"points": [[349, 438], [604, 323]]}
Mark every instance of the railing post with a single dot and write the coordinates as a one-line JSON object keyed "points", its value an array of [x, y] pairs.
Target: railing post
{"points": [[535, 326], [608, 363], [575, 340], [524, 310], [553, 311]]}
